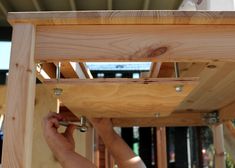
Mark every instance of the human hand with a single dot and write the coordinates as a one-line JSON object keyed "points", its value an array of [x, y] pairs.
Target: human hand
{"points": [[102, 125], [58, 141]]}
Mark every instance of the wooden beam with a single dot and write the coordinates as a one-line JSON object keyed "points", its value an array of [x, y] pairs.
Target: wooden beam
{"points": [[155, 69], [107, 43], [229, 138], [174, 120], [2, 99], [18, 127], [218, 138], [161, 147], [227, 113], [124, 17]]}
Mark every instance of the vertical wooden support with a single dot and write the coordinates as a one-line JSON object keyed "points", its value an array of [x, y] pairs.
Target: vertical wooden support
{"points": [[17, 145], [218, 136], [41, 154], [161, 147]]}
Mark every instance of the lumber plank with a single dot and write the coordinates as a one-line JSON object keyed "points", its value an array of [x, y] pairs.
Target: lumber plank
{"points": [[163, 43], [122, 97], [42, 155], [215, 89], [173, 120], [18, 126], [218, 139], [161, 147], [123, 17]]}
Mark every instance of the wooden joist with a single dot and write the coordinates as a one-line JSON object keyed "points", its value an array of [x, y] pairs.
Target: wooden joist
{"points": [[123, 17]]}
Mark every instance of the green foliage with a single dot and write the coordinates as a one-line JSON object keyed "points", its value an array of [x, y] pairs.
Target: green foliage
{"points": [[229, 162]]}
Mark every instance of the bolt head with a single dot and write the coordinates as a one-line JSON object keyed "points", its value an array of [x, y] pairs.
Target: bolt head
{"points": [[179, 88], [58, 91]]}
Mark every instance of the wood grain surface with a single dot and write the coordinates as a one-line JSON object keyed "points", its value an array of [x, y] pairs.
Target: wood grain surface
{"points": [[122, 97], [107, 43], [123, 17]]}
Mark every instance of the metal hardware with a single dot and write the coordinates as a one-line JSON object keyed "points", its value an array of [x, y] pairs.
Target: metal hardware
{"points": [[58, 91], [178, 88], [83, 122], [211, 118]]}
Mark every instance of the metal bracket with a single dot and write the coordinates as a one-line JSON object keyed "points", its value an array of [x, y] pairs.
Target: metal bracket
{"points": [[211, 118]]}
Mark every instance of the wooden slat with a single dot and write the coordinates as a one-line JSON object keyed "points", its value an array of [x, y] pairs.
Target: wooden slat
{"points": [[18, 126], [164, 43], [123, 17], [122, 97], [227, 112]]}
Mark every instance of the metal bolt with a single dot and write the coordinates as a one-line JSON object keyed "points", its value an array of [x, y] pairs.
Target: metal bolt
{"points": [[179, 88], [83, 127], [58, 91]]}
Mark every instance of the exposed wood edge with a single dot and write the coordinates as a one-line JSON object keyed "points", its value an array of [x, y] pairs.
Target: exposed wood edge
{"points": [[161, 147], [123, 17], [155, 69], [85, 70], [227, 113], [68, 70], [174, 120], [124, 80]]}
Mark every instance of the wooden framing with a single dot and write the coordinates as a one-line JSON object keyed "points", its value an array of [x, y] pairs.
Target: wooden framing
{"points": [[18, 127], [170, 36]]}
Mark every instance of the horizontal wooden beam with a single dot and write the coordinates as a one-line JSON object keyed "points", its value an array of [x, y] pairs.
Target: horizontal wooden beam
{"points": [[189, 80], [164, 43], [123, 17], [175, 119]]}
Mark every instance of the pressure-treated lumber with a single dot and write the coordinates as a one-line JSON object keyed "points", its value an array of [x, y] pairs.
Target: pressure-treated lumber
{"points": [[122, 97], [123, 17], [17, 144], [165, 43]]}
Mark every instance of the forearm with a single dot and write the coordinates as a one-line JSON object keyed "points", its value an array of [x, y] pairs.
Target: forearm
{"points": [[124, 156], [70, 159]]}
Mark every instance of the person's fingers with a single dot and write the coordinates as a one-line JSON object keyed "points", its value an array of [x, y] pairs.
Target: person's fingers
{"points": [[53, 122], [69, 130]]}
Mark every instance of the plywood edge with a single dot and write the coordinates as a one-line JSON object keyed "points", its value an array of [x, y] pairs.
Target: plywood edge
{"points": [[123, 17]]}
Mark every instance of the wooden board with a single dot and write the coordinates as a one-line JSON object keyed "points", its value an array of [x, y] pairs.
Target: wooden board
{"points": [[107, 43], [123, 17], [18, 124], [215, 90], [122, 97]]}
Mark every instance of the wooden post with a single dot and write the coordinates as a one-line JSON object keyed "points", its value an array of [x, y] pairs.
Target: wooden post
{"points": [[218, 137], [161, 147], [17, 145], [41, 154]]}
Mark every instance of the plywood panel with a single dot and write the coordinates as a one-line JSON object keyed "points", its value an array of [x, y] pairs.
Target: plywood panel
{"points": [[123, 17], [85, 43], [122, 97]]}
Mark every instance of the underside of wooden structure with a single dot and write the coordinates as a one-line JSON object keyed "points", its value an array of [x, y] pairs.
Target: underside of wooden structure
{"points": [[202, 43]]}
